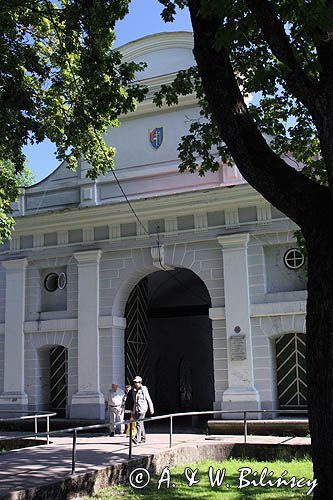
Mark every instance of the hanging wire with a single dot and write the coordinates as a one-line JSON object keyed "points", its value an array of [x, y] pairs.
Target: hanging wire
{"points": [[194, 294], [93, 127], [113, 172]]}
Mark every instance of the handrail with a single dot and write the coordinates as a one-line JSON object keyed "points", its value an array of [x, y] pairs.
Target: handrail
{"points": [[170, 416], [34, 416]]}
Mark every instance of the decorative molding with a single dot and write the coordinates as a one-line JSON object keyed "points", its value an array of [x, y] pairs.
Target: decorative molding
{"points": [[236, 241], [88, 257], [148, 106], [14, 243], [114, 231], [200, 221], [216, 313], [206, 199], [157, 41], [171, 224], [157, 254], [278, 309], [15, 264], [142, 229], [62, 237], [112, 322], [50, 325], [86, 194], [38, 240], [264, 214], [231, 218], [88, 234]]}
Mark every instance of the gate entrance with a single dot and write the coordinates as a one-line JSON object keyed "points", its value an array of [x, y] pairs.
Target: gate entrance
{"points": [[168, 340], [136, 337], [58, 380], [291, 371]]}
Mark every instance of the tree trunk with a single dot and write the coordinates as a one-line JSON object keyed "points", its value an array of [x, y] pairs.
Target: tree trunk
{"points": [[319, 354], [305, 202]]}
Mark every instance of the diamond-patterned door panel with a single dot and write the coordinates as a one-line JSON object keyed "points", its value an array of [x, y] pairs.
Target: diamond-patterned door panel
{"points": [[58, 380], [291, 371], [136, 334]]}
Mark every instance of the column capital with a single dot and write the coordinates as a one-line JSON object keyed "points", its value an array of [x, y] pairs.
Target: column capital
{"points": [[15, 264], [234, 241], [88, 257]]}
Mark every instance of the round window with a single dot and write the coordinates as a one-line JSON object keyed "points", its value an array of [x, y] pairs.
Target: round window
{"points": [[62, 281], [293, 258], [51, 282]]}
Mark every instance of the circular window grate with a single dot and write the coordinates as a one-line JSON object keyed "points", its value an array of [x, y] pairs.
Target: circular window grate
{"points": [[55, 281], [293, 259], [51, 282], [62, 281]]}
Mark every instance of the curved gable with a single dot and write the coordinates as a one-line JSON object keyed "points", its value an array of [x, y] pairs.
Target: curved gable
{"points": [[164, 53]]}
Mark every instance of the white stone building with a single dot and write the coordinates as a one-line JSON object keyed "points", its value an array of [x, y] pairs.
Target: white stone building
{"points": [[196, 296]]}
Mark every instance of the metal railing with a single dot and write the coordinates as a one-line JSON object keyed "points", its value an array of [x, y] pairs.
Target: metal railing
{"points": [[34, 416], [74, 431]]}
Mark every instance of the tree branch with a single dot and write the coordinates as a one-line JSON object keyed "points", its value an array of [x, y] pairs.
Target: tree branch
{"points": [[290, 191], [300, 84]]}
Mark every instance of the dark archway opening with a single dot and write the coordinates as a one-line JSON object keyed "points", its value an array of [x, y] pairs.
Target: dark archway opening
{"points": [[168, 340]]}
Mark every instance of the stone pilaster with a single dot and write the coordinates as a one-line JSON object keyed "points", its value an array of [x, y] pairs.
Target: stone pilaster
{"points": [[118, 350], [14, 397], [241, 393], [88, 402]]}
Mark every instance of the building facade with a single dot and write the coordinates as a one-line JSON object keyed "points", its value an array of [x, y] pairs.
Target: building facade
{"points": [[196, 286]]}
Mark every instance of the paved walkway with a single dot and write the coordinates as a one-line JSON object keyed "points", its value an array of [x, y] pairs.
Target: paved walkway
{"points": [[29, 467]]}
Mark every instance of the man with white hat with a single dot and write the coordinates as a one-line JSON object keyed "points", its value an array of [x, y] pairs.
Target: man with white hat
{"points": [[141, 402]]}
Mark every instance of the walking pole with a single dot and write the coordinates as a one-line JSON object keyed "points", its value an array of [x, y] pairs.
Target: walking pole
{"points": [[130, 441], [171, 429], [48, 429], [74, 451]]}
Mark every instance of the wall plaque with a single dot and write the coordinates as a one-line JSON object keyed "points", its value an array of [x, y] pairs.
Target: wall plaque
{"points": [[237, 347]]}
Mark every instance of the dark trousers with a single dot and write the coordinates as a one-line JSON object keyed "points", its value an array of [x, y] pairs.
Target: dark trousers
{"points": [[140, 427]]}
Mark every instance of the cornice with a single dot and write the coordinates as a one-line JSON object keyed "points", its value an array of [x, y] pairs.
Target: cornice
{"points": [[157, 41], [219, 198], [147, 106]]}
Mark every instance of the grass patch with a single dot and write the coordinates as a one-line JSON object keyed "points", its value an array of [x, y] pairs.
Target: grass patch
{"points": [[203, 490]]}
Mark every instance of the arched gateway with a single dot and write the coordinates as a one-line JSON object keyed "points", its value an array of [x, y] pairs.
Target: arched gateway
{"points": [[168, 340]]}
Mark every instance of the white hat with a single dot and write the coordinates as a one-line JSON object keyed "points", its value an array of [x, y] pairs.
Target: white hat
{"points": [[137, 379]]}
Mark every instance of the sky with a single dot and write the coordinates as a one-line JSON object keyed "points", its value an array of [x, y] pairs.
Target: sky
{"points": [[144, 19]]}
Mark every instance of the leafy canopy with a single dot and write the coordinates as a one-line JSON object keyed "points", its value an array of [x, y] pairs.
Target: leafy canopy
{"points": [[61, 79], [280, 116], [11, 183]]}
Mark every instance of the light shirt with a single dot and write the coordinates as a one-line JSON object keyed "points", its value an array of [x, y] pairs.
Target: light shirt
{"points": [[142, 400], [115, 398]]}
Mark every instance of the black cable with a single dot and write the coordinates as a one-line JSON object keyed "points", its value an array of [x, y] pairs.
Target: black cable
{"points": [[114, 174]]}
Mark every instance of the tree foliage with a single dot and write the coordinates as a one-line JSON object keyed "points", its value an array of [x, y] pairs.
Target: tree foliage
{"points": [[280, 115], [11, 183], [61, 79]]}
